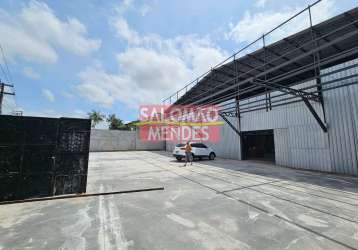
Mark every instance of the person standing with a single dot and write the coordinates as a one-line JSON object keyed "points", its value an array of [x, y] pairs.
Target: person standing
{"points": [[188, 154]]}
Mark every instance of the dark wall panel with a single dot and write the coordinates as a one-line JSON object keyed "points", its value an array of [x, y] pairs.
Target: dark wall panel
{"points": [[42, 156]]}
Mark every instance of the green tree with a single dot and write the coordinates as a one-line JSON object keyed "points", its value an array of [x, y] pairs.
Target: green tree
{"points": [[115, 123], [96, 117]]}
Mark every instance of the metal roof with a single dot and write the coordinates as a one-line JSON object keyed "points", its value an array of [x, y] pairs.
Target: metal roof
{"points": [[293, 59]]}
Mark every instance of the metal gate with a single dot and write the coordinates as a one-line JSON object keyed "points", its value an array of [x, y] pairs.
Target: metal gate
{"points": [[42, 156]]}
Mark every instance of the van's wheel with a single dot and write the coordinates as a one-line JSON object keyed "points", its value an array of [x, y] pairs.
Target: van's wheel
{"points": [[178, 158], [211, 156], [192, 156]]}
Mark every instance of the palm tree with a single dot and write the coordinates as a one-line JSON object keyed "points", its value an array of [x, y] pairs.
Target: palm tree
{"points": [[95, 117], [115, 123]]}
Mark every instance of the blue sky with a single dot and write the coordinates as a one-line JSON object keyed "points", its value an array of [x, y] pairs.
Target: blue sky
{"points": [[69, 57]]}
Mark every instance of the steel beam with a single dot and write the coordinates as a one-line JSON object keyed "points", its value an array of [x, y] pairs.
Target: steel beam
{"points": [[224, 73], [287, 90], [327, 40], [280, 56], [350, 19], [324, 37], [305, 96], [325, 61], [314, 113], [308, 53], [229, 123], [251, 67]]}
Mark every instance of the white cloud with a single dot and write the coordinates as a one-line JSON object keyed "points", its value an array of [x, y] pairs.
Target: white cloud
{"points": [[324, 10], [67, 94], [260, 3], [127, 5], [125, 32], [148, 75], [77, 113], [150, 69], [48, 95], [254, 25], [144, 9], [124, 6], [36, 32], [30, 73]]}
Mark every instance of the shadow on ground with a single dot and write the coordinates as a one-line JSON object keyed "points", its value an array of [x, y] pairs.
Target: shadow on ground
{"points": [[267, 171]]}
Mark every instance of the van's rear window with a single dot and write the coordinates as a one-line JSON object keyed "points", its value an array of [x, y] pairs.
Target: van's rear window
{"points": [[180, 145]]}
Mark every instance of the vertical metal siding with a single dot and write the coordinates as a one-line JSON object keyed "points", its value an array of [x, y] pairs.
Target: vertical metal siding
{"points": [[282, 152], [299, 141], [342, 118], [228, 145]]}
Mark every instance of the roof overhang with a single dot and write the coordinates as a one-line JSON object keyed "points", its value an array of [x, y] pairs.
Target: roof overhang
{"points": [[289, 61]]}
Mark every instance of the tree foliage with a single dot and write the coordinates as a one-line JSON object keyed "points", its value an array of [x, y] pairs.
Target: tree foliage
{"points": [[115, 123], [96, 117]]}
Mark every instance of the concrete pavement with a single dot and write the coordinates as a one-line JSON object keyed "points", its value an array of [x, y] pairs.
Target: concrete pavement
{"points": [[221, 204]]}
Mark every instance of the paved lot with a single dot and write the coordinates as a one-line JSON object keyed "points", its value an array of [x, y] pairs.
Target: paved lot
{"points": [[221, 204]]}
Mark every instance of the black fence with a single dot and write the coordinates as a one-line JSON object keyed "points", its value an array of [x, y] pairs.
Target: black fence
{"points": [[42, 156]]}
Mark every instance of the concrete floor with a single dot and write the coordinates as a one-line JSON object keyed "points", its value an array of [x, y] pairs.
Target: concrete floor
{"points": [[221, 204]]}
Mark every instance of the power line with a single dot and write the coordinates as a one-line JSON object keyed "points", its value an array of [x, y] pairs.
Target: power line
{"points": [[6, 65], [9, 79], [4, 72]]}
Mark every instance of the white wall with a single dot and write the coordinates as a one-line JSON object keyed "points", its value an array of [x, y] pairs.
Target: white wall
{"points": [[118, 140]]}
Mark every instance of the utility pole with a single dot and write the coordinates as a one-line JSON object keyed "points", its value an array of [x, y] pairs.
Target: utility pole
{"points": [[2, 93]]}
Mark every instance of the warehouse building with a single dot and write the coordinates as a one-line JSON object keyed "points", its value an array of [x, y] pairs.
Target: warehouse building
{"points": [[293, 102]]}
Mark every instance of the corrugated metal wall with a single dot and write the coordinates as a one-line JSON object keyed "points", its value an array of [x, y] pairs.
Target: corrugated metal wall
{"points": [[229, 144], [299, 141], [282, 152], [342, 118]]}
